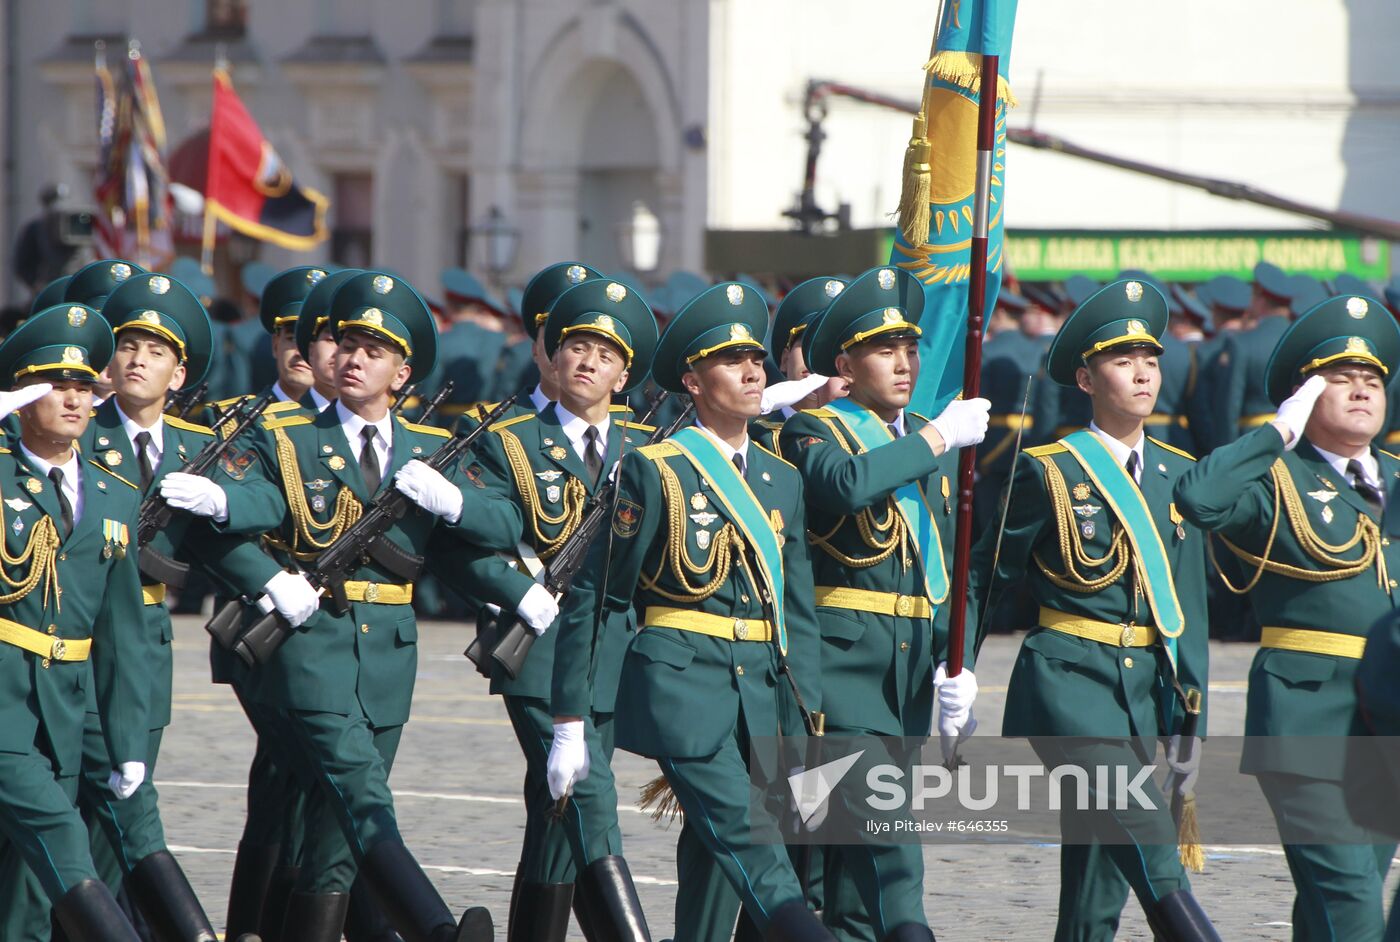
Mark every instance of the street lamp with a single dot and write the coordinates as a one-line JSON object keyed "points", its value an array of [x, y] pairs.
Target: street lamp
{"points": [[502, 242], [639, 239]]}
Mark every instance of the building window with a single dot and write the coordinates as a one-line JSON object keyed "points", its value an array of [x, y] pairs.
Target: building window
{"points": [[352, 232], [226, 19], [459, 217]]}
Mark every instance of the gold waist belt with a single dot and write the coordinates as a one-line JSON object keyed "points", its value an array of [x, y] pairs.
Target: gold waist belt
{"points": [[1254, 421], [881, 603], [152, 594], [1104, 632], [382, 593], [1314, 642], [46, 646], [716, 626]]}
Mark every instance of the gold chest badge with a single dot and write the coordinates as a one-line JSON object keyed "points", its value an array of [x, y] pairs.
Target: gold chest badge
{"points": [[336, 462]]}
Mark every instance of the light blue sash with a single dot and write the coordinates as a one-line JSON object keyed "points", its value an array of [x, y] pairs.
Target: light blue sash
{"points": [[742, 509], [1149, 555], [870, 432]]}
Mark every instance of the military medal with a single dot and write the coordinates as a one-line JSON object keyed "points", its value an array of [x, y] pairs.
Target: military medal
{"points": [[1178, 520], [1081, 491], [336, 462], [550, 476], [697, 501], [947, 489], [557, 453], [33, 485], [704, 519], [1087, 510], [113, 458], [106, 550], [319, 484]]}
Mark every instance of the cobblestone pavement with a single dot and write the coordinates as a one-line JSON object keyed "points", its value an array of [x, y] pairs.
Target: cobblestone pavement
{"points": [[457, 779]]}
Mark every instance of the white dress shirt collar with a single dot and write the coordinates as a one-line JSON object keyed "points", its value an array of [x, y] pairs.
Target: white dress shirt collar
{"points": [[1121, 451], [281, 393], [352, 425], [575, 428], [156, 431], [320, 401], [72, 477], [1369, 465], [538, 399], [725, 448]]}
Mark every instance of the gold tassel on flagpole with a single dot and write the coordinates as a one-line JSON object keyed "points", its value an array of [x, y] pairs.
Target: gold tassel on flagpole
{"points": [[916, 190], [658, 798], [1193, 855]]}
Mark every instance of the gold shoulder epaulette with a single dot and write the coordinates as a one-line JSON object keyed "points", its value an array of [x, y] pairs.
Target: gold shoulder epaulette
{"points": [[287, 422], [922, 418], [1174, 450], [225, 403], [1043, 451], [1389, 454], [276, 407], [821, 413], [425, 429], [4, 451], [617, 408], [659, 450], [102, 467], [636, 425], [188, 426], [497, 426], [774, 454]]}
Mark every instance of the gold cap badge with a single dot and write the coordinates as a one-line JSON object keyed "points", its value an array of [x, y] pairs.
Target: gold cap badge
{"points": [[735, 294], [1133, 290], [159, 284], [1137, 327], [1357, 345], [314, 276], [885, 278], [120, 271], [739, 332], [833, 288], [576, 274], [892, 315], [72, 355], [373, 316], [77, 317], [615, 292], [382, 284], [149, 317], [1357, 307], [605, 323]]}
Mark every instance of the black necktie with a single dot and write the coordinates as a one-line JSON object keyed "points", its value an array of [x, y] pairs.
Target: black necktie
{"points": [[738, 460], [1132, 465], [1365, 488], [894, 429], [592, 462], [64, 508], [143, 459], [369, 459]]}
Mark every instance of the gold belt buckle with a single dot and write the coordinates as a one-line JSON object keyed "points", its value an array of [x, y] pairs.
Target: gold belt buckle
{"points": [[904, 605], [1128, 636], [372, 592], [58, 650], [741, 629]]}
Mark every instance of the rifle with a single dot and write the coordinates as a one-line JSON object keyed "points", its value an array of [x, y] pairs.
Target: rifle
{"points": [[156, 513], [363, 541], [404, 393], [438, 399], [559, 575], [182, 403]]}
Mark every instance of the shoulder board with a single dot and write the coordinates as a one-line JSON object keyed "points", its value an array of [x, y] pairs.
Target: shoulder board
{"points": [[101, 467], [1044, 451], [1388, 454], [275, 407], [616, 408], [287, 422], [821, 413], [224, 403], [1176, 451], [922, 418], [636, 425], [773, 454], [4, 451], [659, 450], [187, 426], [425, 429], [515, 421]]}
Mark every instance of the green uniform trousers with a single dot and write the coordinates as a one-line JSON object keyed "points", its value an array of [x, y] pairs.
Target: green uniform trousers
{"points": [[1108, 852], [44, 848], [351, 809], [554, 850], [122, 832], [1338, 885], [277, 795], [714, 793]]}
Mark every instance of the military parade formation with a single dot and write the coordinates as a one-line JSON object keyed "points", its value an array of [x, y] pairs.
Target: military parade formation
{"points": [[681, 522]]}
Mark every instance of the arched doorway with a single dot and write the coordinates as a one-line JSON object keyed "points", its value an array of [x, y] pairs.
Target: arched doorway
{"points": [[618, 165]]}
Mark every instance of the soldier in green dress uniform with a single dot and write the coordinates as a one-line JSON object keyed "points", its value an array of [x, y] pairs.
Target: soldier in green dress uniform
{"points": [[1244, 403], [68, 526], [1121, 633], [1298, 501], [798, 309], [708, 542], [470, 346], [342, 685], [877, 524], [599, 336]]}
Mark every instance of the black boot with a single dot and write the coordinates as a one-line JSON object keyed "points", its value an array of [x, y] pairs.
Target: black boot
{"points": [[89, 913], [910, 932], [315, 917], [274, 911], [1177, 917], [607, 906], [366, 921], [252, 873], [163, 894], [794, 922], [541, 912], [413, 904]]}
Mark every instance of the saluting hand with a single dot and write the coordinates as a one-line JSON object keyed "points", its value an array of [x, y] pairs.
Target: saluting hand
{"points": [[1294, 411], [19, 398]]}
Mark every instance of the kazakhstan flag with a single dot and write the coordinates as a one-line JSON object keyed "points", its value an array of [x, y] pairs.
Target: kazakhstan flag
{"points": [[934, 243]]}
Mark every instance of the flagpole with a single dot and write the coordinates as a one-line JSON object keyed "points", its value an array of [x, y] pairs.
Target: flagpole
{"points": [[972, 356]]}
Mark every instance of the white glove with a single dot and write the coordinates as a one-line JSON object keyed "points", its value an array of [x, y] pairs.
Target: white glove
{"points": [[430, 490], [963, 423], [1184, 771], [19, 398], [538, 608], [955, 698], [196, 494], [126, 778], [1293, 412], [568, 758], [293, 597], [783, 395]]}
